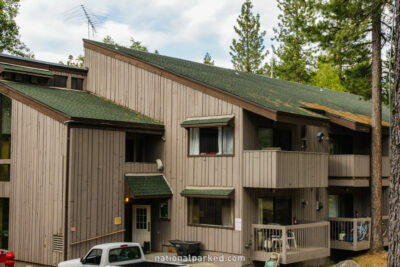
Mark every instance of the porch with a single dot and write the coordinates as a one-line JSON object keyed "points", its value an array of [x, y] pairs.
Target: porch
{"points": [[294, 243], [343, 236]]}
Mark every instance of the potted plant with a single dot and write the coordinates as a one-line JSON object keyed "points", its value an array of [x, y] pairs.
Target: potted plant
{"points": [[342, 235]]}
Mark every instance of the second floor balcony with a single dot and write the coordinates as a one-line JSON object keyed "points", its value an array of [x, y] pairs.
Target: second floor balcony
{"points": [[273, 168]]}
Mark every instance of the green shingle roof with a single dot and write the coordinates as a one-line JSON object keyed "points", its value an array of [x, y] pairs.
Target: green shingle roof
{"points": [[26, 70], [274, 94], [211, 192], [80, 104], [223, 120], [148, 186]]}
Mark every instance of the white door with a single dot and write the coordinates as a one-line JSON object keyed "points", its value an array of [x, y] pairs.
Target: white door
{"points": [[141, 228]]}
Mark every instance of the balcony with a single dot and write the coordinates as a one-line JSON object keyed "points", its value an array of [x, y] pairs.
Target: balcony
{"points": [[344, 237], [294, 243], [284, 169], [355, 166]]}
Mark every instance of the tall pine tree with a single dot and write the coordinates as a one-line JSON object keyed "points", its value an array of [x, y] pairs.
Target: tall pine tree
{"points": [[247, 51], [208, 59], [341, 33], [294, 52]]}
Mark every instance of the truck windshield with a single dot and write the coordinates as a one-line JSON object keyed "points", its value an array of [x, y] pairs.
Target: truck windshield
{"points": [[124, 254]]}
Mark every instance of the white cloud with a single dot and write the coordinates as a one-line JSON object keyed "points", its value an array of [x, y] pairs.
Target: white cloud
{"points": [[183, 28]]}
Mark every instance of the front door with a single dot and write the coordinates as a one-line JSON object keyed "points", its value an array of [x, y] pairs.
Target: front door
{"points": [[141, 227]]}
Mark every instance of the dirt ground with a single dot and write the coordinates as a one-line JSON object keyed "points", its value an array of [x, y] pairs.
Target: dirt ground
{"points": [[372, 260]]}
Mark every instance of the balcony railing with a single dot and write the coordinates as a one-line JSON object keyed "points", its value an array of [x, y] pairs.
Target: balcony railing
{"points": [[294, 243], [354, 233], [285, 169], [354, 166]]}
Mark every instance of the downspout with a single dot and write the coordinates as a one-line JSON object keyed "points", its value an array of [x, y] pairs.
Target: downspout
{"points": [[66, 193]]}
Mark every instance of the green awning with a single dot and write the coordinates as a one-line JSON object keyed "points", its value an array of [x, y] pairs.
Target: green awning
{"points": [[151, 186], [13, 68], [208, 192], [205, 121]]}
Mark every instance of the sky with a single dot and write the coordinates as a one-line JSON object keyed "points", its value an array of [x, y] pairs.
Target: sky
{"points": [[54, 29]]}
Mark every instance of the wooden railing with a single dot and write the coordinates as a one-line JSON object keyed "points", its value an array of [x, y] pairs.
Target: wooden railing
{"points": [[350, 233], [355, 166], [294, 243], [285, 169]]}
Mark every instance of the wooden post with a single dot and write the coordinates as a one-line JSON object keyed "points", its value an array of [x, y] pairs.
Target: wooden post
{"points": [[284, 243], [355, 230]]}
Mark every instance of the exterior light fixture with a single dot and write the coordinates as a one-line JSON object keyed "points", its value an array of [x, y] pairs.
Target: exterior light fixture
{"points": [[126, 200]]}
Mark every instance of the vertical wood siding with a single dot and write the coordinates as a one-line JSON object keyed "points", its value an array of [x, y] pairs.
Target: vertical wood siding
{"points": [[171, 103], [96, 198], [5, 189], [284, 169], [355, 166], [38, 160]]}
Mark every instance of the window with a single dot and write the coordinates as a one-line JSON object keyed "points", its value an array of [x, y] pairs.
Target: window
{"points": [[211, 141], [5, 136], [124, 254], [164, 210], [4, 213], [275, 210], [340, 144], [275, 137], [59, 81], [341, 206], [94, 257], [76, 83], [142, 147], [211, 211]]}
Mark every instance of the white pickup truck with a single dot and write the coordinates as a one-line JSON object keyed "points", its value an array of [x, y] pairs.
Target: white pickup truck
{"points": [[116, 254]]}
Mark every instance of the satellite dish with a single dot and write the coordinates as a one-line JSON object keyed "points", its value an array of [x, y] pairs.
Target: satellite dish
{"points": [[160, 165]]}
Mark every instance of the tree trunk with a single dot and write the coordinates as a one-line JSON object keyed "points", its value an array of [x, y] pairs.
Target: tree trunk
{"points": [[394, 200], [376, 136]]}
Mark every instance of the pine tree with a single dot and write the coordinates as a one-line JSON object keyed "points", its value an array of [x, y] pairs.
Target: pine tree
{"points": [[9, 30], [342, 35], [247, 51], [137, 45], [295, 56], [208, 60]]}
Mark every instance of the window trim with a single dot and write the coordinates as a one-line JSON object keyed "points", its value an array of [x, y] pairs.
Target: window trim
{"points": [[210, 155], [211, 225]]}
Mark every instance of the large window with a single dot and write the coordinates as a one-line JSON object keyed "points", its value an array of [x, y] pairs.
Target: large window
{"points": [[275, 210], [59, 81], [211, 141], [5, 136], [76, 83], [142, 147], [211, 211], [275, 137]]}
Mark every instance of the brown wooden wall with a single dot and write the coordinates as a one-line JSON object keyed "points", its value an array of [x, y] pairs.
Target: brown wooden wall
{"points": [[354, 166], [96, 187], [38, 163], [171, 103], [5, 189], [284, 169]]}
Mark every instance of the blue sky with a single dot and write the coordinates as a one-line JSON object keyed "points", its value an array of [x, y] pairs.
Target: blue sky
{"points": [[187, 29]]}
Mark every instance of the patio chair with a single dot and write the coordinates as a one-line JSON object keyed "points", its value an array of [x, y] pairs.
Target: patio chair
{"points": [[291, 236]]}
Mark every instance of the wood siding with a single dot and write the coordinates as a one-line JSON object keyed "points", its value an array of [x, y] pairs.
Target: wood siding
{"points": [[284, 169], [38, 163], [97, 171], [355, 166], [172, 103]]}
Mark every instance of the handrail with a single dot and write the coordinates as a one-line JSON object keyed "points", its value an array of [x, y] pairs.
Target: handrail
{"points": [[283, 151], [97, 237]]}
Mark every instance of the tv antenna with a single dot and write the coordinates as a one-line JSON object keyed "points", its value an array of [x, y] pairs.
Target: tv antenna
{"points": [[81, 14], [89, 22]]}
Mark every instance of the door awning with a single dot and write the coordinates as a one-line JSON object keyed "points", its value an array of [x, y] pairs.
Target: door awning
{"points": [[207, 121], [208, 192], [148, 186]]}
